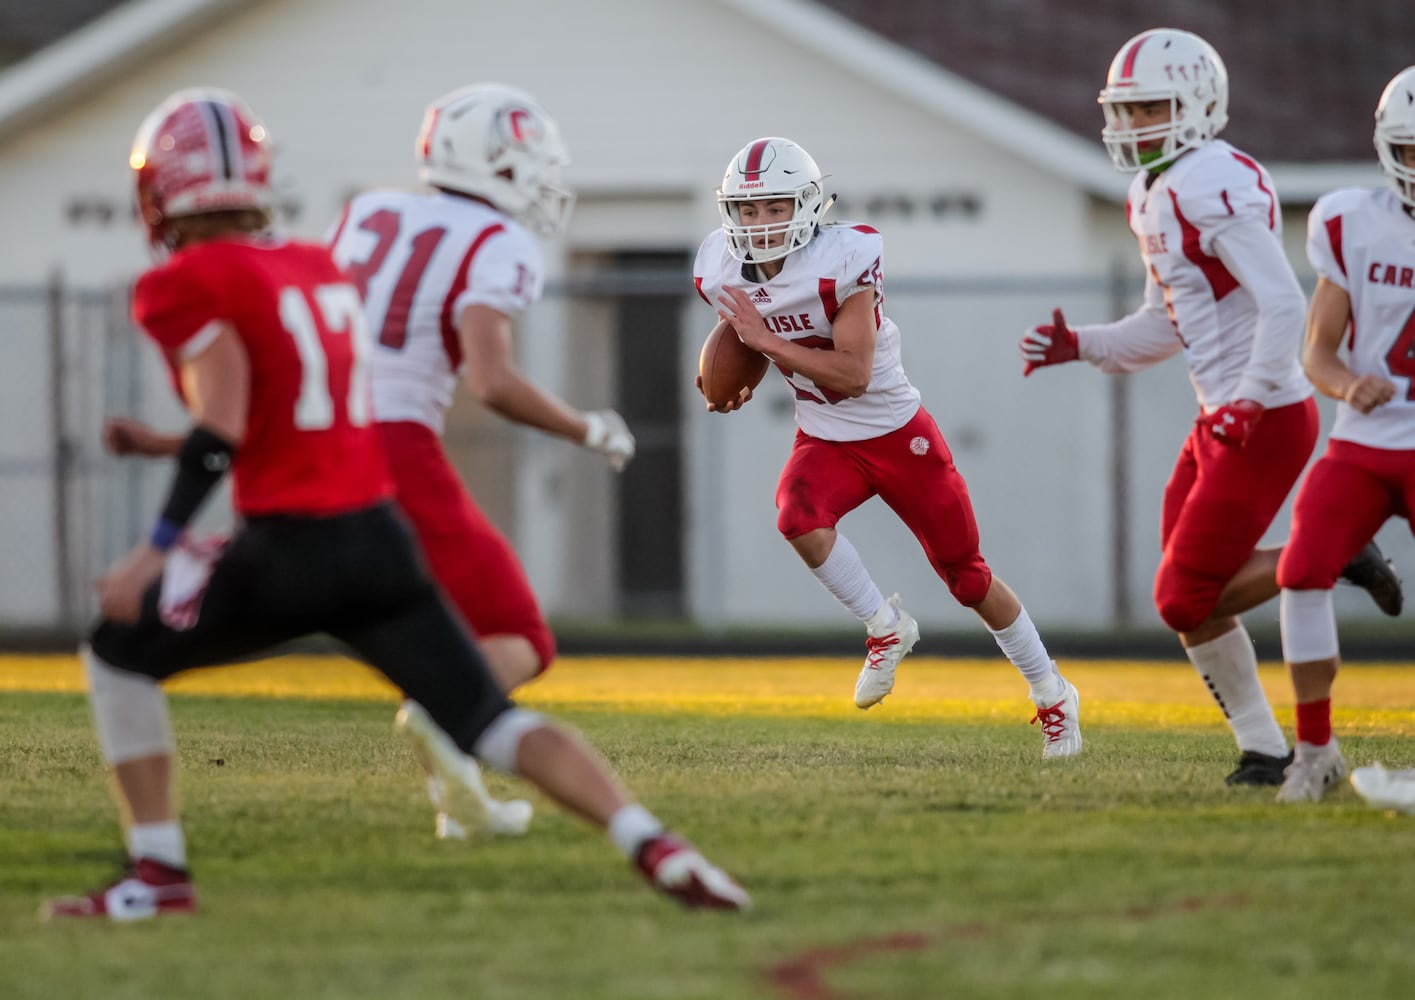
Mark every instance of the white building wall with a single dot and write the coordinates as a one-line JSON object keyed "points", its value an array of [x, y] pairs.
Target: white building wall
{"points": [[653, 99]]}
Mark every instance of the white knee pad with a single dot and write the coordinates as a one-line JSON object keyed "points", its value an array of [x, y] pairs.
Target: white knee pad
{"points": [[129, 711], [496, 746], [1308, 626]]}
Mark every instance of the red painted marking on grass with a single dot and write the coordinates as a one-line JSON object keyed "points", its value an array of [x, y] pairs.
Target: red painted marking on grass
{"points": [[802, 976]]}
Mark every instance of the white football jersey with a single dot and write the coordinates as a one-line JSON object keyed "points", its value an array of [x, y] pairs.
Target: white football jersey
{"points": [[419, 259], [1175, 217], [800, 304], [1363, 241]]}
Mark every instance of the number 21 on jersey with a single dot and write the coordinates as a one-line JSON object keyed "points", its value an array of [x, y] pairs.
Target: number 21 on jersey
{"points": [[340, 312]]}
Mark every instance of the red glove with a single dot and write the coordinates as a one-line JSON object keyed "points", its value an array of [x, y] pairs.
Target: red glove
{"points": [[1233, 424], [1049, 345]]}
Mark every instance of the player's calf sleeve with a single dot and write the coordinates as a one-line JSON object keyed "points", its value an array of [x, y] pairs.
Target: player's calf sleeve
{"points": [[1229, 666], [497, 745], [1308, 626], [129, 712], [1022, 645], [843, 574]]}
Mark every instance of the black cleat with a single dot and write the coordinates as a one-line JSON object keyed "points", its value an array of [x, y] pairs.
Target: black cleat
{"points": [[1258, 769], [1375, 574]]}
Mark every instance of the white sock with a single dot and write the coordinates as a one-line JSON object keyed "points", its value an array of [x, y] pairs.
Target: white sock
{"points": [[1022, 644], [1229, 666], [162, 842], [843, 574], [630, 827]]}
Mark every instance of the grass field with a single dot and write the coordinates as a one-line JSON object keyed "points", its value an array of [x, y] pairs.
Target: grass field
{"points": [[918, 850]]}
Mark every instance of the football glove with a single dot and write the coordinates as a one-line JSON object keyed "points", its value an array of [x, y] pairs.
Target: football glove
{"points": [[1052, 344], [1234, 423], [606, 433]]}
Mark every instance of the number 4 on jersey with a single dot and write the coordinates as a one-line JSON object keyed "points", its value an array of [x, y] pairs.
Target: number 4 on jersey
{"points": [[340, 312], [1401, 359]]}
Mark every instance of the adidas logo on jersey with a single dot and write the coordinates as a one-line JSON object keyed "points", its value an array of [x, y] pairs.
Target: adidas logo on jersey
{"points": [[760, 297]]}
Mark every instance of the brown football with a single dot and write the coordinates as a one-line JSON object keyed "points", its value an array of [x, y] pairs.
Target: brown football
{"points": [[728, 366]]}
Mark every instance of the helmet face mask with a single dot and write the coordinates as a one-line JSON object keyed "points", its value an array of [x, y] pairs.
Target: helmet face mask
{"points": [[771, 170], [200, 151], [1163, 64], [1395, 127], [494, 142]]}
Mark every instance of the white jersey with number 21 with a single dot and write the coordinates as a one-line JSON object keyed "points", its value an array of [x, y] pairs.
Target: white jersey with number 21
{"points": [[418, 260]]}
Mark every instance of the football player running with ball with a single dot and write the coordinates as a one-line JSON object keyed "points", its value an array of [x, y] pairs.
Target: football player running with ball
{"points": [[1361, 242], [268, 348], [808, 295], [1220, 289]]}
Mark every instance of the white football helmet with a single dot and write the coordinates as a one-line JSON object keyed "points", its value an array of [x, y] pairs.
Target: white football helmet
{"points": [[1163, 64], [767, 170], [495, 142], [1395, 126]]}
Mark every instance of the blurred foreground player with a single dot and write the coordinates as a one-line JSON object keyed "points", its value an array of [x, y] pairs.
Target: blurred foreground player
{"points": [[268, 349]]}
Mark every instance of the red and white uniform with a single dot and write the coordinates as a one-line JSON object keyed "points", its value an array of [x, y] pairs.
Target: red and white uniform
{"points": [[1363, 241], [1219, 288], [309, 447], [800, 303], [419, 260], [883, 443]]}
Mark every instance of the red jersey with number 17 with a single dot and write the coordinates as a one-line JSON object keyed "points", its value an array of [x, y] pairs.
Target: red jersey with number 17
{"points": [[310, 447]]}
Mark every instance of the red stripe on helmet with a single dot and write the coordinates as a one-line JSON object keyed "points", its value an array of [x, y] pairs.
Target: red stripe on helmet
{"points": [[425, 138], [753, 167], [1127, 69]]}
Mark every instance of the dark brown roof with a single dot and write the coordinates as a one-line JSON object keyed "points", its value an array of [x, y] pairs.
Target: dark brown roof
{"points": [[29, 25], [1304, 75]]}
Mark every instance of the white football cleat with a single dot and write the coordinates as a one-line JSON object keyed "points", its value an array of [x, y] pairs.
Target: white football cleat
{"points": [[509, 818], [1313, 772], [884, 649], [1385, 789], [454, 779], [1061, 724]]}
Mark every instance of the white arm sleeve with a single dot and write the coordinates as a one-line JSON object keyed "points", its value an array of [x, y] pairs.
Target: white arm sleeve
{"points": [[1140, 340], [1253, 255]]}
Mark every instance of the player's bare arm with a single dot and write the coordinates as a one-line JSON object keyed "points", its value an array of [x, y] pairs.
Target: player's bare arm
{"points": [[845, 369], [216, 385], [498, 382], [126, 436], [1327, 321]]}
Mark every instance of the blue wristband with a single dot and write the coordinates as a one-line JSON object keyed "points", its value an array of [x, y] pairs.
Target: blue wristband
{"points": [[164, 534]]}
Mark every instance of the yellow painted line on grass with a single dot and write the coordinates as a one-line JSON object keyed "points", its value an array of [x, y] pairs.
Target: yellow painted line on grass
{"points": [[931, 689]]}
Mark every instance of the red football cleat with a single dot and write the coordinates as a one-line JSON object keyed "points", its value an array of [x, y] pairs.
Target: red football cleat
{"points": [[147, 889], [676, 869]]}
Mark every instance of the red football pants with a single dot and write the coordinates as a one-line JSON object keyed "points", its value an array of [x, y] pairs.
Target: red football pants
{"points": [[911, 470], [1217, 505], [1349, 493], [472, 561]]}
